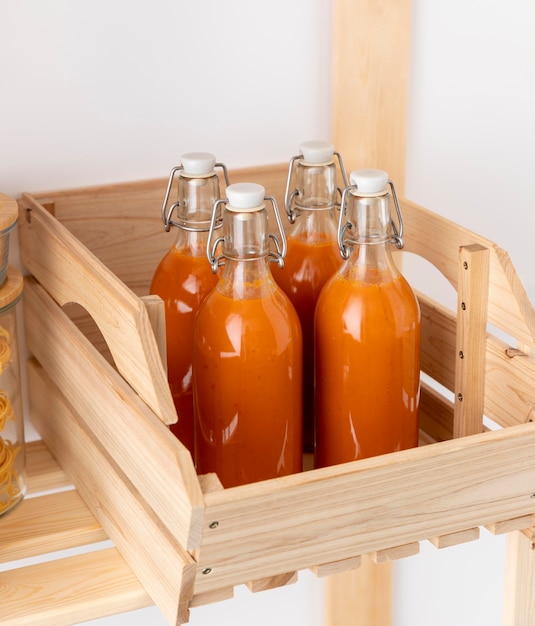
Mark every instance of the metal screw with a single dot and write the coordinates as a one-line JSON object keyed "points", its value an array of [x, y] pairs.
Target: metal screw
{"points": [[463, 306], [461, 354], [207, 570], [214, 525], [460, 397], [465, 265]]}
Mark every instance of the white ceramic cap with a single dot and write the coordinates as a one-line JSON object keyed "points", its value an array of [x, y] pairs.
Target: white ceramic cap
{"points": [[245, 196], [316, 151], [198, 163], [369, 180]]}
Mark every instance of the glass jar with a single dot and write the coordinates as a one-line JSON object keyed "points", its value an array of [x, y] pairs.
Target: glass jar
{"points": [[367, 335], [12, 452], [247, 353], [313, 255], [184, 277]]}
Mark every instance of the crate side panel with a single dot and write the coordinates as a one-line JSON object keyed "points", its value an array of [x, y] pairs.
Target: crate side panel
{"points": [[438, 240], [164, 568], [374, 504], [123, 424], [121, 224], [71, 273]]}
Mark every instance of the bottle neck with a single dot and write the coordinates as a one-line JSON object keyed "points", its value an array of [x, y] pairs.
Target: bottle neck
{"points": [[246, 272], [369, 240], [314, 225]]}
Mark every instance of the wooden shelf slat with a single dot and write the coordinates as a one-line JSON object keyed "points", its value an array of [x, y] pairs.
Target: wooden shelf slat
{"points": [[70, 590], [46, 524]]}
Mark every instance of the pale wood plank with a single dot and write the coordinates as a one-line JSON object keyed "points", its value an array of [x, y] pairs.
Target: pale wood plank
{"points": [[70, 590], [210, 597], [510, 525], [396, 552], [454, 539], [71, 273], [370, 67], [42, 471], [121, 223], [337, 567], [48, 523], [156, 309], [370, 62], [509, 307], [374, 504], [361, 596], [69, 359], [471, 340], [164, 568], [272, 582], [519, 599]]}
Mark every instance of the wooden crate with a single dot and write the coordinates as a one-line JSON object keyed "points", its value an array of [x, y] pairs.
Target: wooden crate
{"points": [[100, 401]]}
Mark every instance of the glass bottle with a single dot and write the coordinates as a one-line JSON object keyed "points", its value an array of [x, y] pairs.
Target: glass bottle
{"points": [[313, 254], [184, 277], [12, 453], [247, 353], [367, 335]]}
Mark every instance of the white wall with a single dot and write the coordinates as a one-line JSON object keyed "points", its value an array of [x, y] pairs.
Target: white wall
{"points": [[113, 90]]}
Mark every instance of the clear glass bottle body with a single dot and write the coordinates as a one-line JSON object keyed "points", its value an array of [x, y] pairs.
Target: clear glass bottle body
{"points": [[247, 364], [312, 258], [12, 451], [367, 334], [182, 279]]}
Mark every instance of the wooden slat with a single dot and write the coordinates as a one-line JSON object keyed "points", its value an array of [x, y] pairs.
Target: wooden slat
{"points": [[344, 565], [471, 340], [42, 471], [166, 571], [510, 525], [70, 590], [71, 273], [509, 307], [46, 524], [454, 539], [97, 392], [267, 528], [395, 553]]}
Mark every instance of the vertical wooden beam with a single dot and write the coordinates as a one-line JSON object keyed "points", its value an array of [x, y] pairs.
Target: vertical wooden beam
{"points": [[519, 589], [519, 603], [473, 289], [370, 85], [360, 597]]}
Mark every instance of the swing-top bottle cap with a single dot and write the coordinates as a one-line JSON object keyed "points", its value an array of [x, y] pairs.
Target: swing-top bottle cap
{"points": [[317, 151], [198, 163], [369, 181], [245, 196]]}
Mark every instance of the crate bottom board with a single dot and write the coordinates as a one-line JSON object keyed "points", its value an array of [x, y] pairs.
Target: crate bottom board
{"points": [[57, 587]]}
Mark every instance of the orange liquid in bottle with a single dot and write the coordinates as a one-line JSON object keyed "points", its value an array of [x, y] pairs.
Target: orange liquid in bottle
{"points": [[247, 369], [367, 359], [182, 281], [310, 261]]}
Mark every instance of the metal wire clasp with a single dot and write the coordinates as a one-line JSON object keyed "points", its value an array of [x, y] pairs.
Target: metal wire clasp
{"points": [[276, 256], [396, 238], [168, 212], [290, 196]]}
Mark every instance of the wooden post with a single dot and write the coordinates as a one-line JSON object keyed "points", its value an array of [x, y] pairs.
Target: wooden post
{"points": [[371, 55]]}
